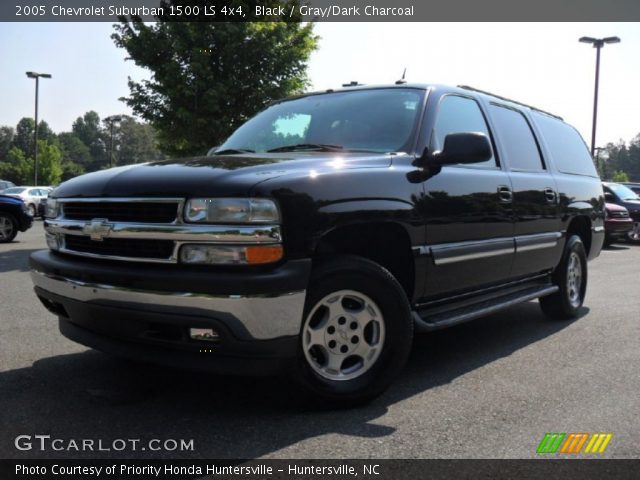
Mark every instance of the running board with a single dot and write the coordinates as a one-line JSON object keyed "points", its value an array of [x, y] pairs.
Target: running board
{"points": [[426, 321]]}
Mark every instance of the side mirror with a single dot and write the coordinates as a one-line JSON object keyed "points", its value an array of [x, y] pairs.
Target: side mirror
{"points": [[608, 197], [471, 147]]}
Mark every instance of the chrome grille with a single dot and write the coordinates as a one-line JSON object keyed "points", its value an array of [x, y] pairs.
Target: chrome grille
{"points": [[140, 229], [145, 212]]}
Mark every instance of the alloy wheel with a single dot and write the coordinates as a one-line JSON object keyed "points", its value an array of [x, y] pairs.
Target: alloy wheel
{"points": [[343, 335]]}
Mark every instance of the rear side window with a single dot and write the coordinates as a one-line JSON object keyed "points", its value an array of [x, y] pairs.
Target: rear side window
{"points": [[566, 146], [517, 139], [459, 115]]}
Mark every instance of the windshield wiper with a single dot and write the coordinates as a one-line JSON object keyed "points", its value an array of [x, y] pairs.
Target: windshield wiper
{"points": [[231, 151], [322, 147]]}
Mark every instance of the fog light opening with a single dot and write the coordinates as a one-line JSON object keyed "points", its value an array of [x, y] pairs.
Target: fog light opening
{"points": [[204, 334]]}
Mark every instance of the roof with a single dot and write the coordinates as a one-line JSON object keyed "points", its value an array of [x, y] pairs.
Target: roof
{"points": [[421, 86]]}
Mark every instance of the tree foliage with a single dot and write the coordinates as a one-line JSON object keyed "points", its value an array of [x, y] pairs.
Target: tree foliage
{"points": [[208, 78], [68, 154], [619, 159]]}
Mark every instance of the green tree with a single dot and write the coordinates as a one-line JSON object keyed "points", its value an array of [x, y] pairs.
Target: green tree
{"points": [[6, 139], [17, 167], [49, 163], [90, 132], [23, 138], [74, 150], [620, 176], [208, 78], [135, 142]]}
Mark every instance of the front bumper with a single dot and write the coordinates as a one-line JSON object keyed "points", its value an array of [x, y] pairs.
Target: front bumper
{"points": [[145, 312], [615, 228]]}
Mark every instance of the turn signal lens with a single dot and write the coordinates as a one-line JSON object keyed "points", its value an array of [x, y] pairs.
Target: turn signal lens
{"points": [[263, 254]]}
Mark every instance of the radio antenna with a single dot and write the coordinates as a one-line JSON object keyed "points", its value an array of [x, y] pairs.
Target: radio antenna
{"points": [[402, 80]]}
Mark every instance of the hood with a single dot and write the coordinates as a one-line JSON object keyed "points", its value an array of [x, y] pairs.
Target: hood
{"points": [[14, 200], [613, 207], [230, 175]]}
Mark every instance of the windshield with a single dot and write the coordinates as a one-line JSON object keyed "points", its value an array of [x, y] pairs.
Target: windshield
{"points": [[622, 192], [377, 120], [15, 190]]}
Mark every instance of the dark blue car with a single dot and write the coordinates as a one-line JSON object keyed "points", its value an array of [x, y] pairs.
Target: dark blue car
{"points": [[14, 218]]}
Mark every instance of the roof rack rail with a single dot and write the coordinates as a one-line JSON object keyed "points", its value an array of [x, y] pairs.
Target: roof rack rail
{"points": [[467, 87]]}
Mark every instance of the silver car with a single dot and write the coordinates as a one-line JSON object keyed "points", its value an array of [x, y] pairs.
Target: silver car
{"points": [[31, 196]]}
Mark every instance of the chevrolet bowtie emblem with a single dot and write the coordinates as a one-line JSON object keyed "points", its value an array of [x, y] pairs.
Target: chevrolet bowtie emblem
{"points": [[98, 229]]}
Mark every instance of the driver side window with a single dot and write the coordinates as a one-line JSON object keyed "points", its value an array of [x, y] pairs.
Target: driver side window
{"points": [[458, 114]]}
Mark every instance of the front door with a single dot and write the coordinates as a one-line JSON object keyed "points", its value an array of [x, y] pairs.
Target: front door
{"points": [[467, 209]]}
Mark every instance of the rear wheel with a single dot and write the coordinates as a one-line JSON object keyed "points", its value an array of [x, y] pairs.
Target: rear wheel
{"points": [[8, 228], [32, 210], [571, 278], [357, 332]]}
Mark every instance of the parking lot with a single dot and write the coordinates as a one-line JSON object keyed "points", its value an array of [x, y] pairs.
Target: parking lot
{"points": [[487, 389]]}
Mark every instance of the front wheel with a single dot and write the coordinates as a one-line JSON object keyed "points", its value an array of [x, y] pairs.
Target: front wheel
{"points": [[356, 334], [8, 228], [634, 234], [571, 278]]}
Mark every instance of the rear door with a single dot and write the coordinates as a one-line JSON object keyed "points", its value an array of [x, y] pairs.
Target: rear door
{"points": [[535, 194], [467, 209]]}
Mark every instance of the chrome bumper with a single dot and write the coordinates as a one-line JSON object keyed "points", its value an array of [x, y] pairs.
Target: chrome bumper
{"points": [[264, 317]]}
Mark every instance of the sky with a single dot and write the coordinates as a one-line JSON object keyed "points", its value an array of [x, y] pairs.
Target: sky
{"points": [[541, 64]]}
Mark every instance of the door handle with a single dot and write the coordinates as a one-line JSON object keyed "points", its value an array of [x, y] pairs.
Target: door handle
{"points": [[550, 195], [505, 195]]}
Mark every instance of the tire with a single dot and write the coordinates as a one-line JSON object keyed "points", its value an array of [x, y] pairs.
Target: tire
{"points": [[32, 210], [8, 227], [571, 277], [634, 235], [370, 325]]}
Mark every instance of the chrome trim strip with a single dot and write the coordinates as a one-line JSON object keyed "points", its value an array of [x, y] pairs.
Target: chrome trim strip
{"points": [[472, 250], [234, 234], [537, 241], [263, 316]]}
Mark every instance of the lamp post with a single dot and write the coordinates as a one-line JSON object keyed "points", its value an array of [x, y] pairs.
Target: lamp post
{"points": [[111, 120], [597, 43], [37, 77]]}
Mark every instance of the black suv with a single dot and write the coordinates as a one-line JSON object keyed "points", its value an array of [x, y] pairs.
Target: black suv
{"points": [[323, 232], [14, 217]]}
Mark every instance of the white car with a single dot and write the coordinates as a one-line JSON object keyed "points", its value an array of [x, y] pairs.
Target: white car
{"points": [[31, 196]]}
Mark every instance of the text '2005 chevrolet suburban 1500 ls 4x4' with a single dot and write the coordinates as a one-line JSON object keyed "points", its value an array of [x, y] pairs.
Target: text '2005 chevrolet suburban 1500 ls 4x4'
{"points": [[323, 232]]}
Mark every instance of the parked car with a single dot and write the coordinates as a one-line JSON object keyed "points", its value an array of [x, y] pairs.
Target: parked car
{"points": [[4, 184], [633, 186], [617, 224], [323, 232], [14, 217], [32, 196], [625, 197]]}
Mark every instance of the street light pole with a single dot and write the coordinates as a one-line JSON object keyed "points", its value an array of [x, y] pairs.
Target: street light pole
{"points": [[35, 130], [112, 119], [597, 43]]}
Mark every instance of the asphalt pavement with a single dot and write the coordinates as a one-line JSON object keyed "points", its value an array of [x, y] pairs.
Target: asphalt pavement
{"points": [[488, 389]]}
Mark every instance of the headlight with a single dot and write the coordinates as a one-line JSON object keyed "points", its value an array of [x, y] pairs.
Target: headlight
{"points": [[231, 210], [51, 209]]}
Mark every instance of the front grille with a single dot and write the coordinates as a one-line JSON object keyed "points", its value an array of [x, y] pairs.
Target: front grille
{"points": [[142, 212], [619, 214], [121, 247]]}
